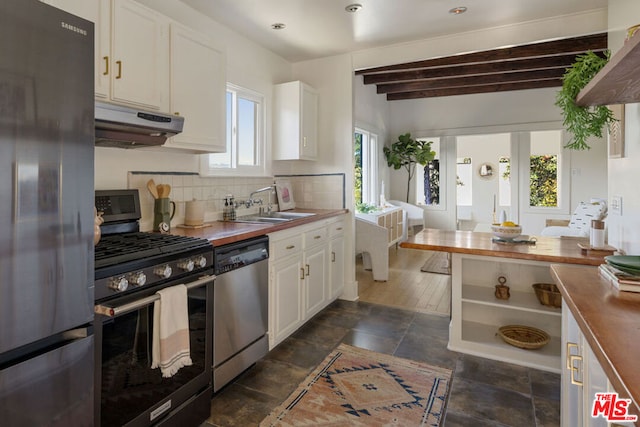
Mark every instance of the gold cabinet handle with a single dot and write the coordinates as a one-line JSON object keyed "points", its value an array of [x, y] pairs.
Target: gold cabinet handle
{"points": [[301, 273], [339, 229], [307, 267], [106, 65], [177, 113], [570, 345], [290, 247], [333, 256], [574, 369], [317, 237], [119, 76]]}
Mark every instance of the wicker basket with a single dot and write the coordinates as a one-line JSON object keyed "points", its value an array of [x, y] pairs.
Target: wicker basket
{"points": [[524, 336], [548, 294]]}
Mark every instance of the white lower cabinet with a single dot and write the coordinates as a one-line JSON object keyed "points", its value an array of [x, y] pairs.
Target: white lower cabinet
{"points": [[476, 313], [582, 378], [286, 291], [301, 275], [336, 259]]}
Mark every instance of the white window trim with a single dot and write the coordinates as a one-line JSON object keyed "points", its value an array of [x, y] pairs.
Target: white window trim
{"points": [[371, 157], [260, 170]]}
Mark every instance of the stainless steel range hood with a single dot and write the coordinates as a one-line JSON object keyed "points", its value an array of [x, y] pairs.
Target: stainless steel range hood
{"points": [[127, 127]]}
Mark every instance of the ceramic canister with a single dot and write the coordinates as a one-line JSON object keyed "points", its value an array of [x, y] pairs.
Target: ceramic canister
{"points": [[194, 212]]}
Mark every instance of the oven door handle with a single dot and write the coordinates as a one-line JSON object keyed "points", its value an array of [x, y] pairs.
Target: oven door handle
{"points": [[143, 302]]}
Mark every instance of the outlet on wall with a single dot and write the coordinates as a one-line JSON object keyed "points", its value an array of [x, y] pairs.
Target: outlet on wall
{"points": [[615, 206]]}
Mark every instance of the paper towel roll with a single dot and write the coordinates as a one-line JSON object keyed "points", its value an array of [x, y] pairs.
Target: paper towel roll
{"points": [[194, 212]]}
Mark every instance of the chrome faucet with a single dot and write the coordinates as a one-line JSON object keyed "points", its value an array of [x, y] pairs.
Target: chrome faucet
{"points": [[259, 201]]}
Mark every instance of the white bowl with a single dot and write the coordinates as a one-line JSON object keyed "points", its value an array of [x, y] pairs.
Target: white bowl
{"points": [[506, 232]]}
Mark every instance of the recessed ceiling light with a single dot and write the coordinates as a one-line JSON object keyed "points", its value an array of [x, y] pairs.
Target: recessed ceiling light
{"points": [[278, 26], [458, 10], [352, 8]]}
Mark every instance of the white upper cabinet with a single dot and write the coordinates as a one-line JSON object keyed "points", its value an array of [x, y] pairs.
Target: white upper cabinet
{"points": [[296, 122], [131, 51], [198, 87], [139, 56]]}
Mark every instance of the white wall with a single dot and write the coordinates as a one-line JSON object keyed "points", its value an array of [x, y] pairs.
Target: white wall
{"points": [[332, 78], [371, 112], [624, 173]]}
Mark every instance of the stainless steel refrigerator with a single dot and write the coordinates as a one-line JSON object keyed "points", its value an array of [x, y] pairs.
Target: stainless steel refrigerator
{"points": [[46, 216]]}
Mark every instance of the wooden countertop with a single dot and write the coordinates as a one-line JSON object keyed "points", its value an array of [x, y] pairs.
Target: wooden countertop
{"points": [[550, 249], [223, 232], [610, 321]]}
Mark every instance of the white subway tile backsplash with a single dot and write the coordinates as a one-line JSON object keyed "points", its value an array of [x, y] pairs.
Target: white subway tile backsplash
{"points": [[309, 191]]}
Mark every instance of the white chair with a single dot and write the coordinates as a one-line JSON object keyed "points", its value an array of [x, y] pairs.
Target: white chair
{"points": [[580, 222], [372, 241], [415, 216]]}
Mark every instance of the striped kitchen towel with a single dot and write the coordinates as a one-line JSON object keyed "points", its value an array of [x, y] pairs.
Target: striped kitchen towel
{"points": [[171, 331]]}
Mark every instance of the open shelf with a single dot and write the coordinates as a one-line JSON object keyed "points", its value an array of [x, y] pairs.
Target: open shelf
{"points": [[483, 340], [519, 300], [619, 81]]}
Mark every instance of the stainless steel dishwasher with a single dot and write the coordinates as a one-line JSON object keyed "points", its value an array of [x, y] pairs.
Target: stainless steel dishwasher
{"points": [[240, 307]]}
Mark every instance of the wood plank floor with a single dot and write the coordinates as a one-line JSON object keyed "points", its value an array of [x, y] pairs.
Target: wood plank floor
{"points": [[407, 287]]}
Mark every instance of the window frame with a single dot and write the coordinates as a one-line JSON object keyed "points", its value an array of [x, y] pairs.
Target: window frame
{"points": [[260, 169], [564, 175], [370, 161]]}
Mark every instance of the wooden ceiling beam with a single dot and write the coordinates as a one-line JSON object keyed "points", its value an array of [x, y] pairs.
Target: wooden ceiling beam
{"points": [[467, 90], [527, 64], [476, 80], [573, 45]]}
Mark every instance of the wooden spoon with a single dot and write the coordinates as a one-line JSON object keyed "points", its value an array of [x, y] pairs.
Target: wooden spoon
{"points": [[161, 191], [167, 190], [151, 186]]}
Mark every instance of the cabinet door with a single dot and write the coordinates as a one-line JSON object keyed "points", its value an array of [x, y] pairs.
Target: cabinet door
{"points": [[309, 143], [316, 278], [98, 12], [286, 287], [572, 366], [197, 91], [336, 266], [139, 56]]}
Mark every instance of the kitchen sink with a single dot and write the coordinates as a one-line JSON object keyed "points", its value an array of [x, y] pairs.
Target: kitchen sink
{"points": [[273, 217]]}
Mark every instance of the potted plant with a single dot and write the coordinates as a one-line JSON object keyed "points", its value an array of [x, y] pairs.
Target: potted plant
{"points": [[582, 122], [407, 152]]}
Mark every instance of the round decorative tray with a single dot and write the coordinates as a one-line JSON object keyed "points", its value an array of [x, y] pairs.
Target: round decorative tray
{"points": [[525, 337]]}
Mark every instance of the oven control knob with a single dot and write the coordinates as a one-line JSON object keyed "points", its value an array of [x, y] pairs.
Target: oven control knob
{"points": [[200, 261], [138, 279], [186, 265], [164, 271], [118, 284]]}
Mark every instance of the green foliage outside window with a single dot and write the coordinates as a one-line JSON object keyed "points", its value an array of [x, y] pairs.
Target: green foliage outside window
{"points": [[357, 153], [543, 183]]}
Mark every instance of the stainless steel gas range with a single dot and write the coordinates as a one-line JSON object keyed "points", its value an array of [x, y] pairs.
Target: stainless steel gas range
{"points": [[130, 267]]}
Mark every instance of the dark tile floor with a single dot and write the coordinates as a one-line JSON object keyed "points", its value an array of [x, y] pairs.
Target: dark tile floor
{"points": [[483, 392]]}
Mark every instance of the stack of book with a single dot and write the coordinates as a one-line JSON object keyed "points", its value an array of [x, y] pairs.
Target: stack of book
{"points": [[620, 279]]}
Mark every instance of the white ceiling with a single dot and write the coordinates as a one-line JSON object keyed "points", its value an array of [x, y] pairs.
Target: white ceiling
{"points": [[319, 28]]}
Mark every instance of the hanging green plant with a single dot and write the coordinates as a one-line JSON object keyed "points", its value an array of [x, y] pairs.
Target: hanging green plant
{"points": [[582, 122]]}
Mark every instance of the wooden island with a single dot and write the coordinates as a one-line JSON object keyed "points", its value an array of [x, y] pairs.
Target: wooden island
{"points": [[476, 313]]}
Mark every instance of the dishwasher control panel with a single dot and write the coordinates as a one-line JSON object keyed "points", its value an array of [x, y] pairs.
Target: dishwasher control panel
{"points": [[237, 255]]}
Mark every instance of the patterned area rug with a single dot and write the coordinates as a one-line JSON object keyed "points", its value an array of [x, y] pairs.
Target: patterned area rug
{"points": [[439, 263], [357, 387]]}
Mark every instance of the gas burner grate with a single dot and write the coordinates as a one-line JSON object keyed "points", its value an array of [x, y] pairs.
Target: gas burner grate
{"points": [[120, 248]]}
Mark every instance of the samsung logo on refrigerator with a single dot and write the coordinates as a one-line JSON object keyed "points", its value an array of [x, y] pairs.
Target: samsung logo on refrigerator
{"points": [[73, 28]]}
